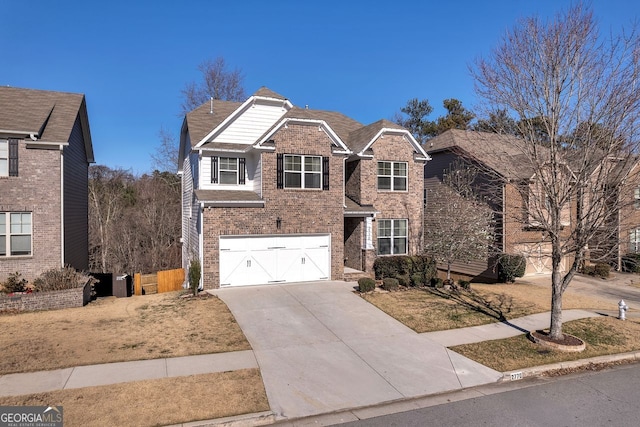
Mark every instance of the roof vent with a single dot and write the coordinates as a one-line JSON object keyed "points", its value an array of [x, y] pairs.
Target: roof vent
{"points": [[306, 107]]}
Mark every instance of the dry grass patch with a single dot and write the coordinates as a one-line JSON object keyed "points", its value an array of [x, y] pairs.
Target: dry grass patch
{"points": [[156, 402], [540, 296], [116, 330], [430, 309], [602, 335]]}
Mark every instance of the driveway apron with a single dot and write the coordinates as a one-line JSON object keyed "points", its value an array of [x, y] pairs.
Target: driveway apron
{"points": [[321, 348]]}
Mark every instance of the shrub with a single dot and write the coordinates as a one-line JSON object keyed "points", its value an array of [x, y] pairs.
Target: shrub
{"points": [[390, 284], [600, 269], [404, 268], [417, 279], [194, 275], [464, 284], [631, 263], [58, 279], [366, 284], [510, 267], [437, 282], [14, 283], [404, 280]]}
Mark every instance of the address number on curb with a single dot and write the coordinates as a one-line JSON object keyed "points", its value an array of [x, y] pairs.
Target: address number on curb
{"points": [[516, 376]]}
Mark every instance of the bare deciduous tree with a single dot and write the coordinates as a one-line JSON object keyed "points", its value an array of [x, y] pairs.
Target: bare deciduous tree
{"points": [[134, 223], [458, 226], [217, 82], [165, 157], [561, 78]]}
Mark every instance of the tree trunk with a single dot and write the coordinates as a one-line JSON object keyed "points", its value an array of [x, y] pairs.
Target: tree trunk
{"points": [[556, 294]]}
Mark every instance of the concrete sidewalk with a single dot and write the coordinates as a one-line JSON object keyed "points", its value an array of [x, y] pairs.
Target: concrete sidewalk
{"points": [[122, 372]]}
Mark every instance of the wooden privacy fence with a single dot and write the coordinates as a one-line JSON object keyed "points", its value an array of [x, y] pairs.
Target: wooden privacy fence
{"points": [[162, 281]]}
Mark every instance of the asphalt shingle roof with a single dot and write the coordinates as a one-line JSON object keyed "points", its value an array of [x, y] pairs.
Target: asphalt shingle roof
{"points": [[49, 114], [494, 150]]}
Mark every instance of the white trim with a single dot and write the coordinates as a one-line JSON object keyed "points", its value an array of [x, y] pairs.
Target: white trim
{"points": [[416, 145], [241, 109], [45, 144], [28, 133]]}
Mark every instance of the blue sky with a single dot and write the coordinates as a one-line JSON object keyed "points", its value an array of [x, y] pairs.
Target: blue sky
{"points": [[362, 58]]}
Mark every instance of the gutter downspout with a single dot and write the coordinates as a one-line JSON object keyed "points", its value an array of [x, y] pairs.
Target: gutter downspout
{"points": [[62, 206], [201, 244]]}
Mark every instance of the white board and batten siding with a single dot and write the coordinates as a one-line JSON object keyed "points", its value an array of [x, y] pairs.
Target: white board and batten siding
{"points": [[251, 124], [257, 260]]}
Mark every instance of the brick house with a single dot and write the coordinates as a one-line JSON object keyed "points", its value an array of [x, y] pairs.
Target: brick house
{"points": [[620, 235], [497, 183], [275, 193], [45, 151]]}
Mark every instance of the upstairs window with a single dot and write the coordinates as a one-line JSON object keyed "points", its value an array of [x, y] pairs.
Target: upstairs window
{"points": [[304, 172], [392, 176], [392, 236], [15, 233], [636, 198], [228, 170]]}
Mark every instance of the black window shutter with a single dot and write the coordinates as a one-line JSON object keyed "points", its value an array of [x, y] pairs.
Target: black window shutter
{"points": [[325, 173], [280, 171], [214, 169], [13, 157], [241, 170]]}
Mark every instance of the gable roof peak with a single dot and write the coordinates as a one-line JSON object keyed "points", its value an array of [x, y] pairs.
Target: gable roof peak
{"points": [[265, 92]]}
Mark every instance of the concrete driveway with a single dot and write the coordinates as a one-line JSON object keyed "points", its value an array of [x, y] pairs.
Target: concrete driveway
{"points": [[321, 348]]}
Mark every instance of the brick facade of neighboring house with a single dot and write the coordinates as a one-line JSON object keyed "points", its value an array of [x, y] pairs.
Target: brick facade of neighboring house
{"points": [[265, 198], [496, 183], [44, 184]]}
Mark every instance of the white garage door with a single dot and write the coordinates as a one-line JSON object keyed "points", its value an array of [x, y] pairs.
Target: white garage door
{"points": [[274, 259]]}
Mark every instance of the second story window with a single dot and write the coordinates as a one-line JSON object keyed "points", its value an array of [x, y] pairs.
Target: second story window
{"points": [[636, 198], [392, 176], [302, 171], [227, 170]]}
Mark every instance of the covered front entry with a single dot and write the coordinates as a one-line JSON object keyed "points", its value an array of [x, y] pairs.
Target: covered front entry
{"points": [[256, 260]]}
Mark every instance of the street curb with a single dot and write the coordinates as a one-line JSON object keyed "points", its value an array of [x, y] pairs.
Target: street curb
{"points": [[254, 419], [537, 371]]}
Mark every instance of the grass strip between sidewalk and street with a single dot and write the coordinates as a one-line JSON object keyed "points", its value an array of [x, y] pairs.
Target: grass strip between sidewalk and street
{"points": [[156, 402], [602, 336]]}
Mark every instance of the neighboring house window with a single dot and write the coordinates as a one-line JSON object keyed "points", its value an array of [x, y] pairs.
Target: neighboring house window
{"points": [[634, 245], [636, 198], [296, 171], [392, 236], [15, 233], [4, 157], [228, 170], [10, 166], [392, 176]]}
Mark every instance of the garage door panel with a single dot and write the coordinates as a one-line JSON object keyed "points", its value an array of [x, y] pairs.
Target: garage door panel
{"points": [[315, 264]]}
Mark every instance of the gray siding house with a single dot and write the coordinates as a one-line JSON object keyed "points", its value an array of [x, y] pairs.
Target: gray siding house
{"points": [[45, 152]]}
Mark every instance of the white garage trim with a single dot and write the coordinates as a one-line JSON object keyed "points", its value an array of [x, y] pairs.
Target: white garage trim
{"points": [[264, 259]]}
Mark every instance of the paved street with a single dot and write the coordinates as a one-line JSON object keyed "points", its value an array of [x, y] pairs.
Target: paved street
{"points": [[588, 399]]}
